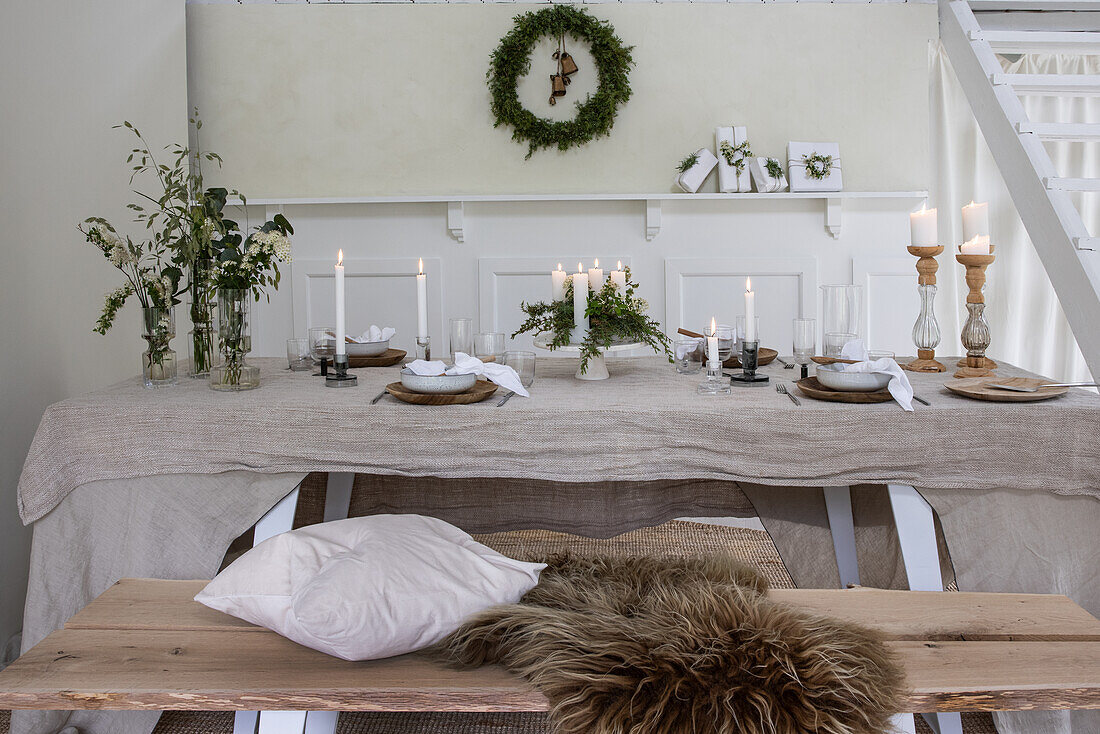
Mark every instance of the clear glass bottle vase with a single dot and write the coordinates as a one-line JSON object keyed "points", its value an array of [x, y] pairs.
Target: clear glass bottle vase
{"points": [[158, 363], [926, 332], [235, 341], [201, 345]]}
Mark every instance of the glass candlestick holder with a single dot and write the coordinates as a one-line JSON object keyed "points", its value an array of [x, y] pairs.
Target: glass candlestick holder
{"points": [[750, 355], [975, 332], [715, 383], [339, 377], [926, 332], [424, 348]]}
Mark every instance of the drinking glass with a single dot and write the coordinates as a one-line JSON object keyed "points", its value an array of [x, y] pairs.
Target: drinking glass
{"points": [[490, 344], [462, 337], [688, 359], [805, 340], [726, 340], [322, 343], [873, 354], [843, 322], [298, 354], [740, 335], [524, 365]]}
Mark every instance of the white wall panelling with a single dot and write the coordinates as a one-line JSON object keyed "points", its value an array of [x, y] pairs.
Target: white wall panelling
{"points": [[504, 282], [890, 292], [697, 289], [379, 291]]}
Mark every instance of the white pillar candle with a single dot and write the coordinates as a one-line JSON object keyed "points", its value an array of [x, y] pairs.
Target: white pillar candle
{"points": [[580, 305], [975, 221], [421, 302], [595, 276], [618, 276], [712, 343], [977, 246], [557, 280], [924, 228], [341, 346], [750, 312]]}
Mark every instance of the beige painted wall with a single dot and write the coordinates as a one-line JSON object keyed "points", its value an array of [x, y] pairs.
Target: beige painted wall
{"points": [[69, 72], [347, 100]]}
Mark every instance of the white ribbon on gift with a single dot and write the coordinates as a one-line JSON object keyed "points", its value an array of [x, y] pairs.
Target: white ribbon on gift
{"points": [[898, 386], [501, 374], [802, 164]]}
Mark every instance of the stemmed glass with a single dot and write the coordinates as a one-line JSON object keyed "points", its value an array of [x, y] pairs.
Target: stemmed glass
{"points": [[322, 345], [805, 342]]}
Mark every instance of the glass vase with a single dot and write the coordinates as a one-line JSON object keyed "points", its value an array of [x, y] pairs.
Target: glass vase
{"points": [[235, 341], [926, 332], [200, 346], [158, 363]]}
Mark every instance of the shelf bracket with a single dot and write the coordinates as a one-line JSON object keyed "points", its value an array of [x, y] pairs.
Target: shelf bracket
{"points": [[456, 220], [832, 217], [652, 219]]}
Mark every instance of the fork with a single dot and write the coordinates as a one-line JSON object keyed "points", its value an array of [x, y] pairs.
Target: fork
{"points": [[786, 365], [1017, 388], [781, 388], [378, 397], [506, 398]]}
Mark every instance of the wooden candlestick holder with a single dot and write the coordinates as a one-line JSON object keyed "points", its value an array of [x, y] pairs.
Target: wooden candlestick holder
{"points": [[926, 276], [975, 333]]}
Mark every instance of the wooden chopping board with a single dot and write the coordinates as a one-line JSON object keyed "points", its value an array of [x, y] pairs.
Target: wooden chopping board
{"points": [[975, 387], [480, 391], [811, 388]]}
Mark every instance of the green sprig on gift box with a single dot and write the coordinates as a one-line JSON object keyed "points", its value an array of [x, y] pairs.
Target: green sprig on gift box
{"points": [[774, 169], [615, 317], [687, 163], [735, 155], [818, 166]]}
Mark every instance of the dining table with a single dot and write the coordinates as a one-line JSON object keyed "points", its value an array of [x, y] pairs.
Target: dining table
{"points": [[132, 482]]}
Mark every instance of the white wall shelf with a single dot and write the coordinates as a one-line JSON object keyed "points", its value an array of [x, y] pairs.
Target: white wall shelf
{"points": [[832, 202]]}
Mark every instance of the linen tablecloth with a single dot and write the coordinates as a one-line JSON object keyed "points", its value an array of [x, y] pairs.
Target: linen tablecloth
{"points": [[132, 482]]}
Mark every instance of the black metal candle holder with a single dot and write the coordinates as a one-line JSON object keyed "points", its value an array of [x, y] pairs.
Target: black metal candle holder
{"points": [[750, 352], [341, 378]]}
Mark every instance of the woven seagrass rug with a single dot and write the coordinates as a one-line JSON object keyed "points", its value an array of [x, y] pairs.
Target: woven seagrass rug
{"points": [[673, 539]]}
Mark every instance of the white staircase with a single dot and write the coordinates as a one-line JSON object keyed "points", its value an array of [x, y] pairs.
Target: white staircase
{"points": [[973, 32]]}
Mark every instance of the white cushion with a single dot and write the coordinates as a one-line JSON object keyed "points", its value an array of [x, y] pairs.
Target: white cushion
{"points": [[368, 587]]}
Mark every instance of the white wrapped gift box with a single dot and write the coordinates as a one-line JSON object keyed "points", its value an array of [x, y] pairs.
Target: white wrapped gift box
{"points": [[764, 181], [729, 181], [796, 167], [691, 179]]}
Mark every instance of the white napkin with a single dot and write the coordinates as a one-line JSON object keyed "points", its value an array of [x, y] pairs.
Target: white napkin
{"points": [[689, 345], [374, 334], [501, 374], [899, 385]]}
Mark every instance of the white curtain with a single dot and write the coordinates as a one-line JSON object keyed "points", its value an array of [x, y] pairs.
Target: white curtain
{"points": [[1028, 326]]}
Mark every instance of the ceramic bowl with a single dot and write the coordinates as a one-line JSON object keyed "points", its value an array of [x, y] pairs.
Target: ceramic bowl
{"points": [[437, 384], [367, 349], [834, 377]]}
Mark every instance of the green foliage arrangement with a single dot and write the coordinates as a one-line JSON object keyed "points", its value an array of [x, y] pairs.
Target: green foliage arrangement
{"points": [[615, 317], [818, 166], [735, 155], [686, 164], [511, 60], [774, 169]]}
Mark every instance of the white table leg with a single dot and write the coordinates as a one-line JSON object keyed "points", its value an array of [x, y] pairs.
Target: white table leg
{"points": [[838, 505], [903, 724], [282, 722], [338, 495], [921, 556], [279, 519], [321, 722], [245, 722]]}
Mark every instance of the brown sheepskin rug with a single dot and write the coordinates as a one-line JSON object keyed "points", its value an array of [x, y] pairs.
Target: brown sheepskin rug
{"points": [[682, 646]]}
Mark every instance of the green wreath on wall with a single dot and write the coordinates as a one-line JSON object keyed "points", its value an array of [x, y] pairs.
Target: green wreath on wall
{"points": [[512, 59]]}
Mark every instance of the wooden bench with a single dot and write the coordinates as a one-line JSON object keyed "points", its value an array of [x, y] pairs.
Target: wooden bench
{"points": [[145, 644]]}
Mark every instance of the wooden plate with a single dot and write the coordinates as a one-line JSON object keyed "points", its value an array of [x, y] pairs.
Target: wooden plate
{"points": [[481, 390], [811, 388], [833, 360], [975, 387], [763, 356], [385, 359]]}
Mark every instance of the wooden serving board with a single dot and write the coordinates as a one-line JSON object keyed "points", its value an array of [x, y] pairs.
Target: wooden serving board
{"points": [[481, 390], [975, 387], [811, 388], [763, 356], [385, 359], [832, 360]]}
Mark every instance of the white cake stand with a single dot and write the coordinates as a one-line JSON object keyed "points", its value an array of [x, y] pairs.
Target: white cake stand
{"points": [[597, 366]]}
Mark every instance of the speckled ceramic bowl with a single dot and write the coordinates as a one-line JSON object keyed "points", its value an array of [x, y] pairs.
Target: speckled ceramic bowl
{"points": [[367, 349], [437, 384], [834, 377]]}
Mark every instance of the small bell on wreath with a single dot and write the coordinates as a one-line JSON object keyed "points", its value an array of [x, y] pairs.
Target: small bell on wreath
{"points": [[568, 66], [557, 87]]}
